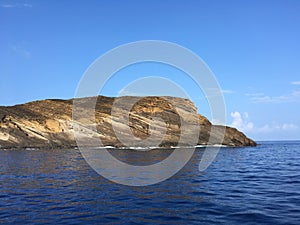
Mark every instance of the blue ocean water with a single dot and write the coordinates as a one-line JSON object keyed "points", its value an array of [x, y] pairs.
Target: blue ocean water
{"points": [[243, 186]]}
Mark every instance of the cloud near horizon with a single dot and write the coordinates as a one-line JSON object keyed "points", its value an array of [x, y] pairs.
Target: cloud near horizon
{"points": [[241, 122], [295, 83], [16, 5], [290, 97]]}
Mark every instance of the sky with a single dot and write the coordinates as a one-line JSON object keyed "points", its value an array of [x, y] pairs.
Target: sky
{"points": [[252, 47]]}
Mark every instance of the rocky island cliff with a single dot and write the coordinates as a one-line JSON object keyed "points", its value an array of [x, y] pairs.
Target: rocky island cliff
{"points": [[49, 123]]}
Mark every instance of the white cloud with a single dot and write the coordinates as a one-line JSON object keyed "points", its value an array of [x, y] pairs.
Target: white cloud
{"points": [[6, 6], [240, 122], [291, 97], [226, 91], [254, 94], [290, 126], [296, 83], [27, 5], [275, 127], [16, 5], [21, 51]]}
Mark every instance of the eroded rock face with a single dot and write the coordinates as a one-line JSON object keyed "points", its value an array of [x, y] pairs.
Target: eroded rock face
{"points": [[49, 123]]}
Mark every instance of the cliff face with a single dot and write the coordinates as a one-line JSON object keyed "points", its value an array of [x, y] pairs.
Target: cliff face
{"points": [[49, 123]]}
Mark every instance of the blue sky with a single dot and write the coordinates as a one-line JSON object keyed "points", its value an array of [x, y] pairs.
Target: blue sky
{"points": [[252, 47]]}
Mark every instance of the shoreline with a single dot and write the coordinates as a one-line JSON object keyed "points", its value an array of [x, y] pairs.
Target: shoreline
{"points": [[137, 148]]}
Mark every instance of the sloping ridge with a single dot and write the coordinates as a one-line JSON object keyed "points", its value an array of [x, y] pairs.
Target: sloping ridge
{"points": [[49, 124]]}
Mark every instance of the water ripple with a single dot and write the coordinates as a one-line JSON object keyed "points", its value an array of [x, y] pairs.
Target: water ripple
{"points": [[248, 185]]}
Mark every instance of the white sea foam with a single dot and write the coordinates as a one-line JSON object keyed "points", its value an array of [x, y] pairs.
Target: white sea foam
{"points": [[219, 146], [30, 149], [200, 146], [105, 147], [140, 148]]}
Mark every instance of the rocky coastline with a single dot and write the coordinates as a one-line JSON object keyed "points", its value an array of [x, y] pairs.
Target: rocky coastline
{"points": [[49, 123]]}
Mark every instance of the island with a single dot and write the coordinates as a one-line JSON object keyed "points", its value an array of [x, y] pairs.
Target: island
{"points": [[50, 123]]}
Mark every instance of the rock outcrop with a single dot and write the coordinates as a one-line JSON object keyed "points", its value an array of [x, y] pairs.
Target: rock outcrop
{"points": [[49, 123]]}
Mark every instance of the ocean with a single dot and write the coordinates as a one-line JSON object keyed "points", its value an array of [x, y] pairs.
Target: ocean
{"points": [[259, 185]]}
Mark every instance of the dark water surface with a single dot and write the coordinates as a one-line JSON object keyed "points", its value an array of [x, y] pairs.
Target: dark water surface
{"points": [[243, 186]]}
